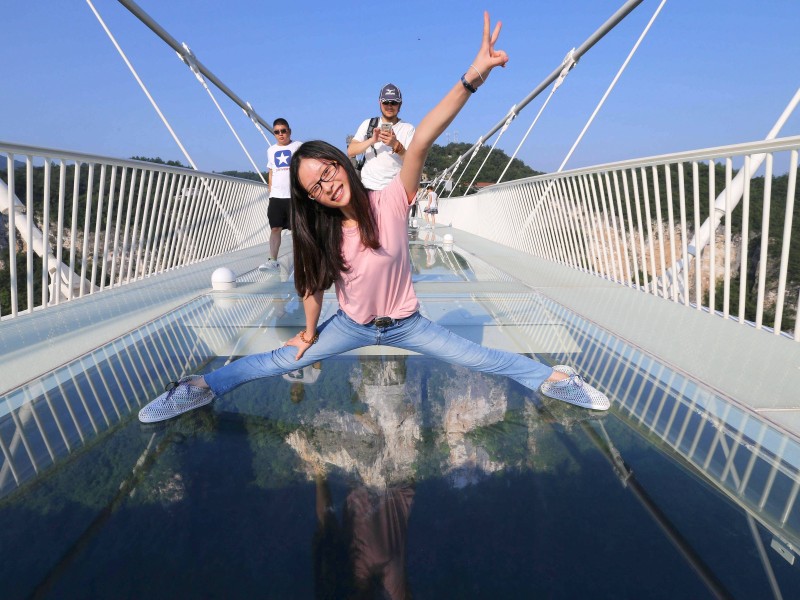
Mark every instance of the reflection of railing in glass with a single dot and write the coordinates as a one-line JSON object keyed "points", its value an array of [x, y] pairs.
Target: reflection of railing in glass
{"points": [[744, 456], [43, 422]]}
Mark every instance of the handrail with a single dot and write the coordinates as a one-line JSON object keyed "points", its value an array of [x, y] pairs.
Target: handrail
{"points": [[86, 223], [765, 146], [630, 222], [84, 157]]}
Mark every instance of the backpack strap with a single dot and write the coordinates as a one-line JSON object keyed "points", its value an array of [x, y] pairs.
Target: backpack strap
{"points": [[373, 123]]}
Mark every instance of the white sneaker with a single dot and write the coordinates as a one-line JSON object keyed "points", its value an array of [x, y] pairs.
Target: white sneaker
{"points": [[270, 265], [179, 398], [575, 390]]}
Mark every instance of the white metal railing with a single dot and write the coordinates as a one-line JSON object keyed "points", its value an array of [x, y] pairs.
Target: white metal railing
{"points": [[634, 222], [84, 223]]}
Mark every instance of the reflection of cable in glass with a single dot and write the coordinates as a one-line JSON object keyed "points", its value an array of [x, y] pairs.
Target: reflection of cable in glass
{"points": [[674, 535], [126, 488], [739, 453]]}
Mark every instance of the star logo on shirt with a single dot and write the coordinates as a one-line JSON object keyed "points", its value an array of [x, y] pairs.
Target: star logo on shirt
{"points": [[282, 158]]}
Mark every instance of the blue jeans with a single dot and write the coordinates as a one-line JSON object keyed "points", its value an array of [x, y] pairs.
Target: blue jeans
{"points": [[340, 334]]}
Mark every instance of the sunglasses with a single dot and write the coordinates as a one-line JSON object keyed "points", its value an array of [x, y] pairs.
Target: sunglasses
{"points": [[390, 102], [280, 131]]}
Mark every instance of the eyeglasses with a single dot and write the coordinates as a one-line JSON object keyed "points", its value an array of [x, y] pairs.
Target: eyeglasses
{"points": [[390, 102], [328, 173], [280, 131]]}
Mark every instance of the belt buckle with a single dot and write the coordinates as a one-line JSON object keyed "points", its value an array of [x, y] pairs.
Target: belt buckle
{"points": [[383, 321]]}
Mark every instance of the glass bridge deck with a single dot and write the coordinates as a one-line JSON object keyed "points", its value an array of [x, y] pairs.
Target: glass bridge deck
{"points": [[378, 471]]}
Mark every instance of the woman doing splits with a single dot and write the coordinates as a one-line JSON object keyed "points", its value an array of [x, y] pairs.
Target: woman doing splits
{"points": [[357, 241]]}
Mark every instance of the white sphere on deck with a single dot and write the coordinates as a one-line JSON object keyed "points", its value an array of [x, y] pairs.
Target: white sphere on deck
{"points": [[223, 279]]}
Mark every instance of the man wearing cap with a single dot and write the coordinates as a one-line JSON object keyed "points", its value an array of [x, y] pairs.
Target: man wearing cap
{"points": [[385, 148]]}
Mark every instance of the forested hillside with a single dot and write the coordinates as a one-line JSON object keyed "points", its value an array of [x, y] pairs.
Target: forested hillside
{"points": [[441, 157]]}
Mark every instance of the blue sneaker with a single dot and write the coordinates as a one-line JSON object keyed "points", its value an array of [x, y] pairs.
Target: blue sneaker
{"points": [[179, 397]]}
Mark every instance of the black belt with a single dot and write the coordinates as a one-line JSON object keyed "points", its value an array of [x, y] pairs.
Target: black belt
{"points": [[386, 321]]}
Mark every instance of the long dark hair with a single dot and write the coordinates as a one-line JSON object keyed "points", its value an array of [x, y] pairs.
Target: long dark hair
{"points": [[317, 229]]}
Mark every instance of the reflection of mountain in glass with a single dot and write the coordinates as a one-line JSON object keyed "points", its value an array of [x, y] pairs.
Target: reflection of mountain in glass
{"points": [[380, 444], [471, 402], [377, 446], [496, 478], [364, 555]]}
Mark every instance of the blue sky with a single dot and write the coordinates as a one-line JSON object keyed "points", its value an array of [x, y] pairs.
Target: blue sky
{"points": [[710, 72]]}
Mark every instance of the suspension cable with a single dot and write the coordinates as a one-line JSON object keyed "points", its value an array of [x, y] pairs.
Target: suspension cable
{"points": [[440, 180], [569, 63], [611, 86], [545, 196], [475, 147], [140, 14], [610, 23], [250, 112], [142, 85], [189, 60], [511, 115], [223, 210]]}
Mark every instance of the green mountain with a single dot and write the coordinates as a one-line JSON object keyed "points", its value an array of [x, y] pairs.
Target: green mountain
{"points": [[441, 157]]}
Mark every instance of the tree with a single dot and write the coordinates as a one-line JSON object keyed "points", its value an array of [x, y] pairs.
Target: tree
{"points": [[160, 161], [441, 157]]}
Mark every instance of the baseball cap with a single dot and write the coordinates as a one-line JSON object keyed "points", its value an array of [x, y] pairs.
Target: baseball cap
{"points": [[390, 92]]}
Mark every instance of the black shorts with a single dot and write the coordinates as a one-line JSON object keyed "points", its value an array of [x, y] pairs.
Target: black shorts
{"points": [[279, 213]]}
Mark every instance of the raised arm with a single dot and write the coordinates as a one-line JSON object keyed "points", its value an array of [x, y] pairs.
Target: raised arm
{"points": [[359, 147], [437, 120]]}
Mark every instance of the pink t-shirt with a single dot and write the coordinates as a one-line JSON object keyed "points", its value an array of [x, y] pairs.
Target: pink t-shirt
{"points": [[379, 281]]}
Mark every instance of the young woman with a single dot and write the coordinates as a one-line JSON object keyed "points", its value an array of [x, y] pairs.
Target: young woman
{"points": [[432, 209], [358, 241]]}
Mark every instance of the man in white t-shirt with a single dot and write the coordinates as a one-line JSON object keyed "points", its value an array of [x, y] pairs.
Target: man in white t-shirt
{"points": [[384, 149], [279, 157]]}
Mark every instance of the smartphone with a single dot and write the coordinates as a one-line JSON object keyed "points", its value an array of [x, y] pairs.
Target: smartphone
{"points": [[386, 127]]}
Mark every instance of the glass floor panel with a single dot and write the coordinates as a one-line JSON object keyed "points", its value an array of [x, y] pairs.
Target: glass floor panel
{"points": [[431, 261], [396, 473]]}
